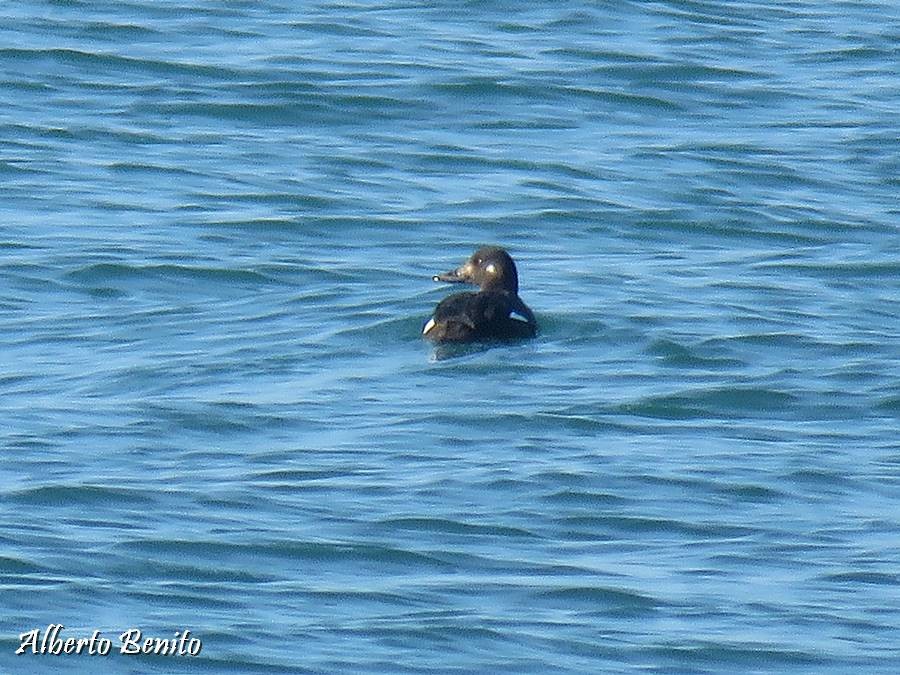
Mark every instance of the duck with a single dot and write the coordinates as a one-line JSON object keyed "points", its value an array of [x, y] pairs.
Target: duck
{"points": [[495, 312]]}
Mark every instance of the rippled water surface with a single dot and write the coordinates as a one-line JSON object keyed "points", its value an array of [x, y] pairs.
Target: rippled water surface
{"points": [[218, 226]]}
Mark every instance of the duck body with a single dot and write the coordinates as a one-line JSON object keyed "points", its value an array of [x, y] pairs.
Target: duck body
{"points": [[495, 312]]}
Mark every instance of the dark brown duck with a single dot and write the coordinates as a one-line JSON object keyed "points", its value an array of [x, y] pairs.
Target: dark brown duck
{"points": [[495, 312]]}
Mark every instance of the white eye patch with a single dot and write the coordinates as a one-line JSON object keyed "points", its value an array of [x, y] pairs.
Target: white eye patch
{"points": [[428, 326], [490, 269]]}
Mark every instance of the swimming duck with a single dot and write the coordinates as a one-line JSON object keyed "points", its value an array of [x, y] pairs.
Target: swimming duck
{"points": [[495, 312]]}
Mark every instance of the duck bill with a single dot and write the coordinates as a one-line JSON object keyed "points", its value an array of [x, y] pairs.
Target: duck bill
{"points": [[463, 275]]}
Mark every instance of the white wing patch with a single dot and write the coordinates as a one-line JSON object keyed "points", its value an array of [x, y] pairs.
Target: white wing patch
{"points": [[428, 326], [518, 317]]}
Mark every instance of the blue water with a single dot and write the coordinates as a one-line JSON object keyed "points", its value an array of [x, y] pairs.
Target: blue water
{"points": [[218, 226]]}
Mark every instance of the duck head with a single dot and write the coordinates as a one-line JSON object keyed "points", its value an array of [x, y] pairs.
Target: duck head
{"points": [[490, 268]]}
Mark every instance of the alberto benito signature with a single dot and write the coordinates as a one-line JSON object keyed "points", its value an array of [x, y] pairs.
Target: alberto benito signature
{"points": [[131, 641]]}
